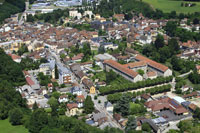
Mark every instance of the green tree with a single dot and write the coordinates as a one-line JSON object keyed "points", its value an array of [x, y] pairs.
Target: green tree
{"points": [[141, 72], [131, 124], [159, 43], [15, 116], [56, 72], [37, 121], [54, 106], [35, 106], [123, 106], [146, 127], [88, 105]]}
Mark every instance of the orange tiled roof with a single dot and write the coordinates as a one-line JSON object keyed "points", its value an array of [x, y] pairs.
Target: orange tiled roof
{"points": [[152, 63], [121, 68], [135, 64]]}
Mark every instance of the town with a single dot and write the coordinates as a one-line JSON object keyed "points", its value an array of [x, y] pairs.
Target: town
{"points": [[107, 72]]}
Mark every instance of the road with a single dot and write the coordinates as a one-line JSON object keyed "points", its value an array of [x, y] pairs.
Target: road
{"points": [[21, 20], [100, 107]]}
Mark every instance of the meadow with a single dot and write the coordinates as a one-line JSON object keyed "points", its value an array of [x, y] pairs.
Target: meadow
{"points": [[6, 127], [172, 5]]}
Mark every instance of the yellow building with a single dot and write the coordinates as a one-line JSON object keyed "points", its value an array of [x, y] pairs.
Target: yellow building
{"points": [[97, 16], [92, 90], [11, 45], [72, 109]]}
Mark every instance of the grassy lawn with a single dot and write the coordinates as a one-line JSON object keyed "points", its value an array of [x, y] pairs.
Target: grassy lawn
{"points": [[170, 5], [100, 75], [6, 127]]}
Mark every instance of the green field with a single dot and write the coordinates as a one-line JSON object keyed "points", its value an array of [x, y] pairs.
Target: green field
{"points": [[171, 5], [6, 127]]}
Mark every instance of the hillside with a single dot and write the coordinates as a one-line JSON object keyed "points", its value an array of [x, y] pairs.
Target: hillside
{"points": [[10, 7]]}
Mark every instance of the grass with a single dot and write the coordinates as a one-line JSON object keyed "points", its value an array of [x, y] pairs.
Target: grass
{"points": [[6, 127], [172, 5]]}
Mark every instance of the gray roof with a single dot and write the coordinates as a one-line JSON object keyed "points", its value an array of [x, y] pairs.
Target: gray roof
{"points": [[75, 89], [98, 116], [159, 120]]}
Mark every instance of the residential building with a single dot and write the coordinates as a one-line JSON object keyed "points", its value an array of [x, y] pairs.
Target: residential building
{"points": [[80, 99], [63, 99], [72, 109], [76, 90], [65, 75], [48, 68], [89, 85]]}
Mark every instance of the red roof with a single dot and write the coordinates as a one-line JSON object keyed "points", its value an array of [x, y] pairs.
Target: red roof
{"points": [[72, 105], [152, 63], [29, 81], [135, 64], [121, 68], [80, 98], [14, 56]]}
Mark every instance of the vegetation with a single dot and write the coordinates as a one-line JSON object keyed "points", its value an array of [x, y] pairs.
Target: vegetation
{"points": [[127, 86], [137, 108], [88, 105], [10, 71], [15, 116], [6, 127], [155, 90], [123, 106], [10, 7], [55, 17], [131, 124], [173, 30], [44, 79]]}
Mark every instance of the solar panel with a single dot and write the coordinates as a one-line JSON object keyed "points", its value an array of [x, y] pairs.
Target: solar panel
{"points": [[174, 103]]}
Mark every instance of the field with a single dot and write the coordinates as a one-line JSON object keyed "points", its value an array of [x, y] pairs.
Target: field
{"points": [[6, 127], [172, 5]]}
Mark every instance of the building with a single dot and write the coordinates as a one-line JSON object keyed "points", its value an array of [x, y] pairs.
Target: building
{"points": [[161, 70], [65, 75], [11, 45], [76, 90], [15, 58], [109, 107], [166, 103], [122, 70], [63, 99], [135, 66], [89, 85], [48, 68], [80, 99], [72, 109]]}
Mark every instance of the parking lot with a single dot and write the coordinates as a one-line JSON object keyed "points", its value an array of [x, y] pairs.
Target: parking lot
{"points": [[170, 116]]}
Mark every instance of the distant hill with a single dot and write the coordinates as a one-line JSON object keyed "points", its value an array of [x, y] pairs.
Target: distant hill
{"points": [[9, 7]]}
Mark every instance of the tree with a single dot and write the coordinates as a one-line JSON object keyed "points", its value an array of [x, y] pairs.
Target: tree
{"points": [[141, 72], [146, 127], [35, 106], [131, 124], [62, 56], [94, 64], [88, 105], [195, 21], [37, 121], [110, 76], [15, 116], [56, 72], [123, 106], [159, 43], [54, 106]]}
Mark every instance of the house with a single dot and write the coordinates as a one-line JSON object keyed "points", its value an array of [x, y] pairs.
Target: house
{"points": [[31, 81], [78, 57], [109, 107], [15, 58], [122, 70], [72, 109], [80, 99], [63, 99], [99, 118], [76, 90], [193, 94], [119, 17], [89, 85], [192, 107], [109, 45], [75, 14], [146, 97], [161, 70]]}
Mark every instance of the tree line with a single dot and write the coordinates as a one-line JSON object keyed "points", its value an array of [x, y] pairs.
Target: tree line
{"points": [[113, 98], [134, 86]]}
